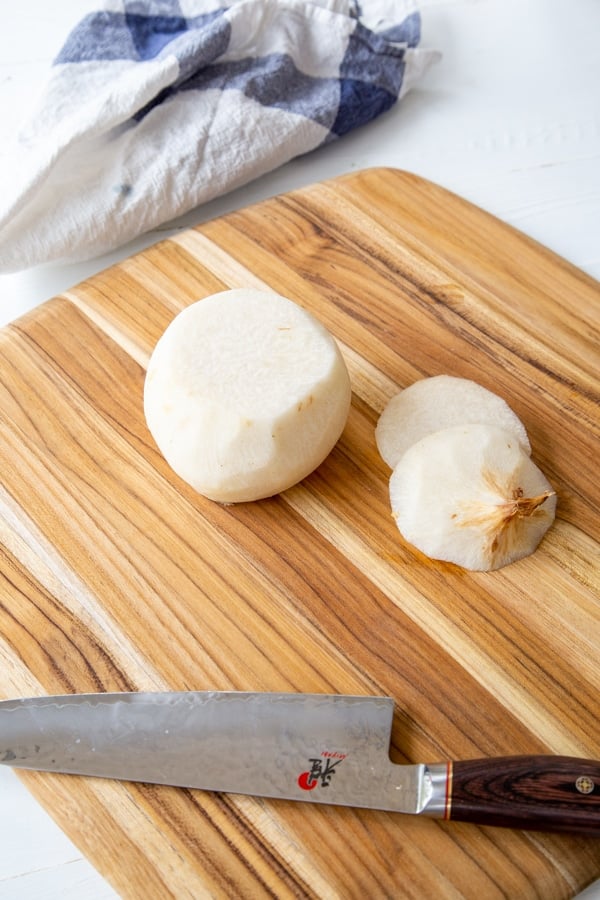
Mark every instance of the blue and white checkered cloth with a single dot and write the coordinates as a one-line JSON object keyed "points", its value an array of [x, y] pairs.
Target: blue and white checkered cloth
{"points": [[155, 106]]}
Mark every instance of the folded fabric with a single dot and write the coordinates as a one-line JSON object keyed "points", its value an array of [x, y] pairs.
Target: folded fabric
{"points": [[153, 107]]}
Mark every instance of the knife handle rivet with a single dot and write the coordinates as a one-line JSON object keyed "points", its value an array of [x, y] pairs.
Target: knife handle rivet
{"points": [[585, 784]]}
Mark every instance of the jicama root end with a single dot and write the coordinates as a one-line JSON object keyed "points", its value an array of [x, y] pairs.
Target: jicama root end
{"points": [[472, 496]]}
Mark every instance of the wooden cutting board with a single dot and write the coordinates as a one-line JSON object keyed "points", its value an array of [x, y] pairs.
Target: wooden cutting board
{"points": [[117, 576]]}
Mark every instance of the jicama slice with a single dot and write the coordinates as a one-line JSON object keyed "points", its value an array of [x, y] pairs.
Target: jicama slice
{"points": [[471, 495], [246, 393], [442, 401]]}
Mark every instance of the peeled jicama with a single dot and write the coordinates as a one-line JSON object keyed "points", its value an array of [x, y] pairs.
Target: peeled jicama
{"points": [[471, 495], [246, 393], [440, 402]]}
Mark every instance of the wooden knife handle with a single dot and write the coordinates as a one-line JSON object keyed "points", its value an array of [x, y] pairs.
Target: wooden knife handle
{"points": [[547, 793]]}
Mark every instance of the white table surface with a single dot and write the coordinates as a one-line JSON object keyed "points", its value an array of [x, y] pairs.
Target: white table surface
{"points": [[510, 119]]}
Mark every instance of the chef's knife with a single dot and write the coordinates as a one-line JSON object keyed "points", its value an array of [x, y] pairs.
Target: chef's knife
{"points": [[316, 747]]}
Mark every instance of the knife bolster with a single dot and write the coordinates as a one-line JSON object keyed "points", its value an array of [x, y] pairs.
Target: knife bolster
{"points": [[437, 787]]}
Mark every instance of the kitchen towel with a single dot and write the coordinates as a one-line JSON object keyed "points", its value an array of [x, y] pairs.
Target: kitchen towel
{"points": [[153, 107]]}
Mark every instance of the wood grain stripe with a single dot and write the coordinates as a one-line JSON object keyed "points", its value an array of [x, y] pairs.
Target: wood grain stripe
{"points": [[505, 684]]}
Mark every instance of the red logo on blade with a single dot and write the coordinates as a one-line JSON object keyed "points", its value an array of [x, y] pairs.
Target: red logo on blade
{"points": [[322, 770], [306, 781]]}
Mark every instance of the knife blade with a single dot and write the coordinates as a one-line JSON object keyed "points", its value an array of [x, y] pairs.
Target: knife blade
{"points": [[320, 748]]}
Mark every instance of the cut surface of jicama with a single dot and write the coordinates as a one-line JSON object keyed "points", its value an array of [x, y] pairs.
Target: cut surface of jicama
{"points": [[441, 401], [472, 496], [246, 393]]}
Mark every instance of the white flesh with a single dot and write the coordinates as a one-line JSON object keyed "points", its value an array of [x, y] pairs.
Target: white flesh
{"points": [[246, 393], [440, 402], [453, 491]]}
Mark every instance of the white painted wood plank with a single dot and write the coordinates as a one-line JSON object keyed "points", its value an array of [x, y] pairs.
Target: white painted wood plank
{"points": [[37, 860]]}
